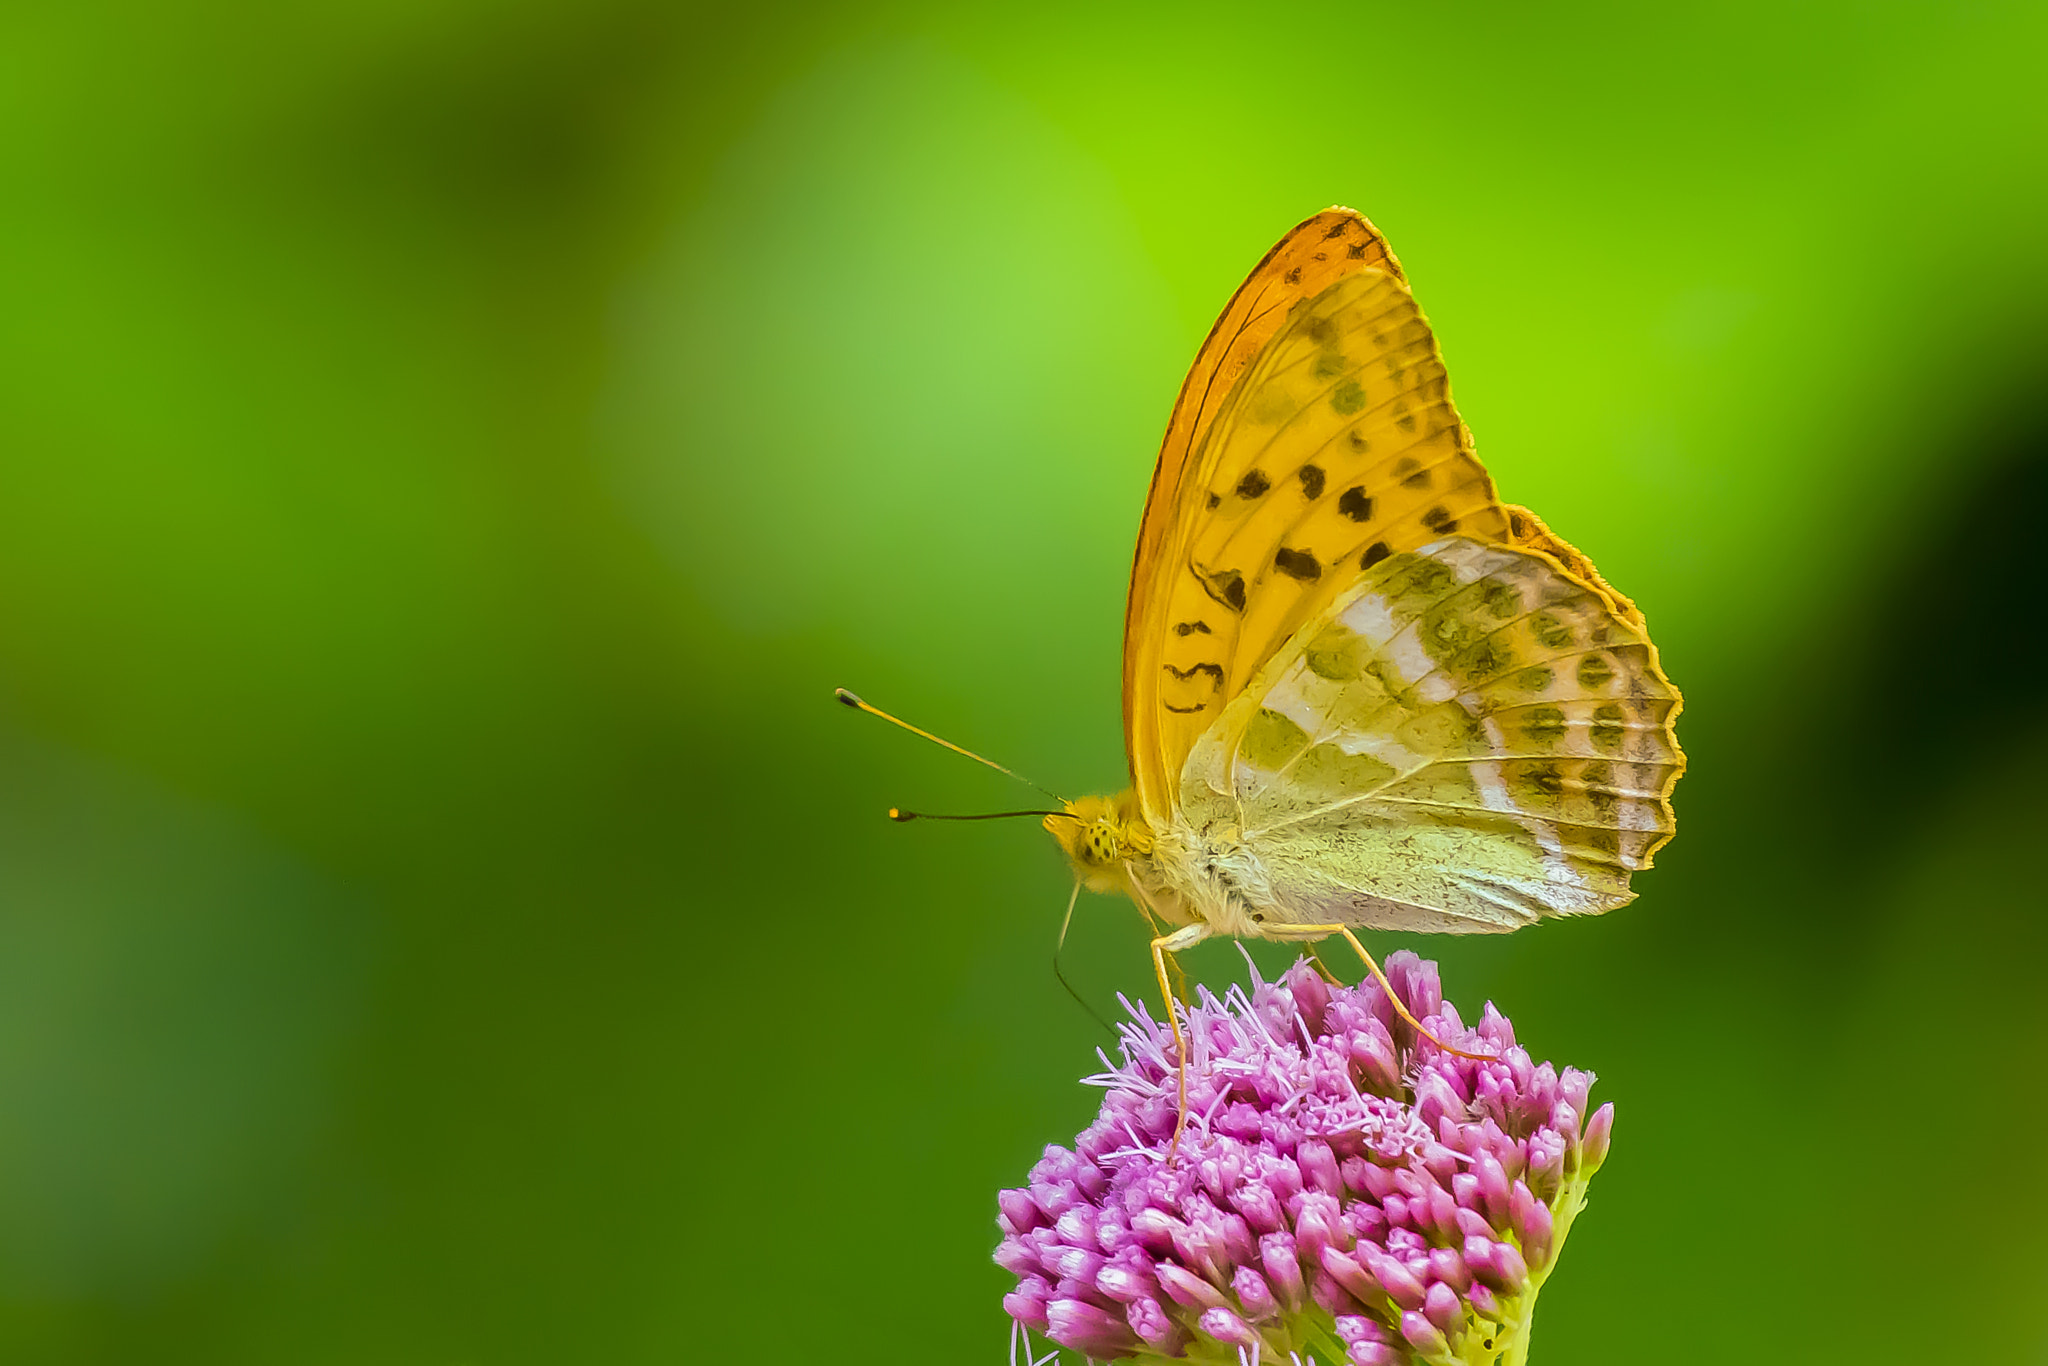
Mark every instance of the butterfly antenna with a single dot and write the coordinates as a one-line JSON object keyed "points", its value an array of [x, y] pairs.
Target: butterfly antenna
{"points": [[857, 704], [1060, 944], [897, 813]]}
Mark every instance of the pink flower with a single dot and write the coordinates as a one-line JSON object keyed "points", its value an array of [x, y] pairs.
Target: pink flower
{"points": [[1345, 1191]]}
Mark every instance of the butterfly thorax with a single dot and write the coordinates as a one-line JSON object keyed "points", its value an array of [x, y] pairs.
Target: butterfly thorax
{"points": [[1208, 875], [1180, 874]]}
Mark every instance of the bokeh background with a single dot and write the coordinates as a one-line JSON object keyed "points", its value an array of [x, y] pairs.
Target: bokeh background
{"points": [[449, 451]]}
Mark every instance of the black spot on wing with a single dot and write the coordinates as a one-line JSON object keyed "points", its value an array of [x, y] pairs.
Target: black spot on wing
{"points": [[1297, 564], [1374, 553], [1356, 504], [1254, 484], [1224, 585], [1188, 628], [1214, 671], [1338, 230], [1439, 521], [1411, 473], [1311, 477]]}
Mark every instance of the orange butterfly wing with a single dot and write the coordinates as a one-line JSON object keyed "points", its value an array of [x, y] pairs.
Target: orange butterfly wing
{"points": [[1314, 435]]}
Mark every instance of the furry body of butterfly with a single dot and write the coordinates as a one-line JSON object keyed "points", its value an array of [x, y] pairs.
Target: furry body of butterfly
{"points": [[1359, 689]]}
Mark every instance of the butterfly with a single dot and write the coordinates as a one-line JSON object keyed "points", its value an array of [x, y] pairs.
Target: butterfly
{"points": [[1360, 691]]}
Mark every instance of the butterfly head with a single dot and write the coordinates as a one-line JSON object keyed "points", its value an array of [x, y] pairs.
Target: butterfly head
{"points": [[1101, 835]]}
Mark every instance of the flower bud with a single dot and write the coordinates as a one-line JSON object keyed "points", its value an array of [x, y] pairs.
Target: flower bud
{"points": [[1424, 1336], [1399, 1282], [1546, 1163], [1328, 1295], [1082, 1326], [1441, 1307], [1376, 1354], [1027, 1302], [1373, 1060], [1150, 1321], [1259, 1207], [1283, 1271], [1017, 1257], [1599, 1133], [1187, 1288], [1127, 1284], [1226, 1327], [1532, 1223], [1493, 1188], [1017, 1213], [1319, 1167], [1254, 1294], [1360, 1328], [1497, 1264], [1447, 1266], [1075, 1264]]}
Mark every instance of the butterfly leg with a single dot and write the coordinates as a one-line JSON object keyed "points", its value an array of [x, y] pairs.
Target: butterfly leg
{"points": [[1273, 931], [1329, 974], [1178, 990], [1184, 938]]}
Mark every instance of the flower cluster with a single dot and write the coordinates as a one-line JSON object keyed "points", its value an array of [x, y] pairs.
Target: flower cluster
{"points": [[1345, 1190]]}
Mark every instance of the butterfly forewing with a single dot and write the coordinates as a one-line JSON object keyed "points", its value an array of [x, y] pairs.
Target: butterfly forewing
{"points": [[1326, 248], [1337, 447], [1470, 737]]}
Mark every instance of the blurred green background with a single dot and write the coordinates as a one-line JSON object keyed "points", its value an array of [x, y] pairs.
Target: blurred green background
{"points": [[449, 452]]}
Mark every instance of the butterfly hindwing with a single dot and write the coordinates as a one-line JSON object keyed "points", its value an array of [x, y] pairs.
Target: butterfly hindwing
{"points": [[1470, 737], [1335, 446]]}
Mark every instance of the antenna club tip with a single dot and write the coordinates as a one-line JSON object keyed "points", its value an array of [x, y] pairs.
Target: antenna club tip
{"points": [[897, 813], [846, 697]]}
